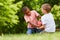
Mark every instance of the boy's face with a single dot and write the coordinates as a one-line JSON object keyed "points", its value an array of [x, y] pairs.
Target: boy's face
{"points": [[43, 11], [27, 12]]}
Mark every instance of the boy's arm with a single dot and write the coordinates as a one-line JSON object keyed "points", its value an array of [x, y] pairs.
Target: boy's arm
{"points": [[37, 14], [28, 21], [43, 20], [32, 23], [42, 27]]}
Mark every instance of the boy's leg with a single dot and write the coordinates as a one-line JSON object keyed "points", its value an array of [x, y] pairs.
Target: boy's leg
{"points": [[39, 30], [29, 31], [34, 30]]}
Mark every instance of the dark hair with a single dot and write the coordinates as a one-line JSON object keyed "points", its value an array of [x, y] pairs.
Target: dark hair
{"points": [[25, 8], [46, 7]]}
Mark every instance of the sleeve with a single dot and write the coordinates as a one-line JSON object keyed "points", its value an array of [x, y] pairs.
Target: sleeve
{"points": [[37, 14], [26, 19], [43, 20]]}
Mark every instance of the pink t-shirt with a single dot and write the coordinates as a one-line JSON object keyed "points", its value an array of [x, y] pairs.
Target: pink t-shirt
{"points": [[32, 18]]}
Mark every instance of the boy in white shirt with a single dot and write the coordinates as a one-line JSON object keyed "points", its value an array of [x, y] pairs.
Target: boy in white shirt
{"points": [[48, 23]]}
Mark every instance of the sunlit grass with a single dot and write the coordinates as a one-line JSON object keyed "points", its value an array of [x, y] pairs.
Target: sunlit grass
{"points": [[42, 36]]}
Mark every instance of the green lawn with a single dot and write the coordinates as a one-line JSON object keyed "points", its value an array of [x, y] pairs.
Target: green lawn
{"points": [[42, 36]]}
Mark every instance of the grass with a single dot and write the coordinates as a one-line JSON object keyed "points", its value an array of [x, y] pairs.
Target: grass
{"points": [[42, 36]]}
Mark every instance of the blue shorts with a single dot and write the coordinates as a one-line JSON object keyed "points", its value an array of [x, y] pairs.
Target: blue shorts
{"points": [[33, 30]]}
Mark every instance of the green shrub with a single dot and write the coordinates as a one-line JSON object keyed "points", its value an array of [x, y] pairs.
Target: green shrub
{"points": [[8, 17], [56, 12]]}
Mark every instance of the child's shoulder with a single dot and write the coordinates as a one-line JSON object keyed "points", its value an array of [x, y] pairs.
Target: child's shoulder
{"points": [[47, 15], [44, 16], [33, 11]]}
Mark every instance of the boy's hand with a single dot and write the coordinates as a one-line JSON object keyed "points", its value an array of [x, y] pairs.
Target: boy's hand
{"points": [[39, 16], [32, 24], [42, 27], [36, 25]]}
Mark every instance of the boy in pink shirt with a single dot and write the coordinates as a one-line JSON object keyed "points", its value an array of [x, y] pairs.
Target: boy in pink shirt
{"points": [[31, 18]]}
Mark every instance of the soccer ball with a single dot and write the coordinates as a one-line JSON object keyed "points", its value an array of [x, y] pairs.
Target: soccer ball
{"points": [[39, 23]]}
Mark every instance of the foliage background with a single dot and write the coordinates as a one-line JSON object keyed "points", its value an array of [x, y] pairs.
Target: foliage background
{"points": [[12, 17]]}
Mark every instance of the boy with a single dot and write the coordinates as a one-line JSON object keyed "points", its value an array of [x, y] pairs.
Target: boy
{"points": [[31, 18], [47, 19]]}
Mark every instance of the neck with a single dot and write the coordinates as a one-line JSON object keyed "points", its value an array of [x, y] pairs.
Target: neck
{"points": [[28, 14], [46, 13]]}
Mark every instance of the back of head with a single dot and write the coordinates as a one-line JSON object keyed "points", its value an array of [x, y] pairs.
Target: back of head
{"points": [[46, 7]]}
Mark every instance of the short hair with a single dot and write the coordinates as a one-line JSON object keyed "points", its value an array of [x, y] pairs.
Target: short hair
{"points": [[46, 7], [25, 8]]}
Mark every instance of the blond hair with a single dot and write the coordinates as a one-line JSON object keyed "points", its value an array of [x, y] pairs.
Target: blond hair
{"points": [[46, 7]]}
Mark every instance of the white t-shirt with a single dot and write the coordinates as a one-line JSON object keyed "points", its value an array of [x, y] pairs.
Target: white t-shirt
{"points": [[48, 20]]}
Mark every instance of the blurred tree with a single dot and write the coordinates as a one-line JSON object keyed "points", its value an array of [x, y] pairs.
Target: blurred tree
{"points": [[56, 12], [52, 2], [8, 17]]}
